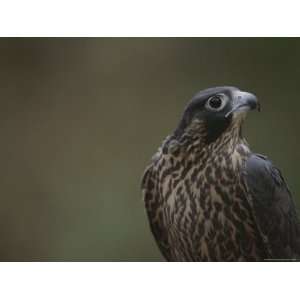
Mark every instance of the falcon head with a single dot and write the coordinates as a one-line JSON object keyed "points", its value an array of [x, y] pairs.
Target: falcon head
{"points": [[213, 110]]}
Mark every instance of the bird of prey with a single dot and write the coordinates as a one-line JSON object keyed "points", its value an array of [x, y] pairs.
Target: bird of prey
{"points": [[209, 198]]}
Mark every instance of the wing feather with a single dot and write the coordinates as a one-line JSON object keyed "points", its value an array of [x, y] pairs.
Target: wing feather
{"points": [[274, 209], [154, 213]]}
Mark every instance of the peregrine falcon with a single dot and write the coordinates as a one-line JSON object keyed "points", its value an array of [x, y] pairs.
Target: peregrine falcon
{"points": [[209, 198]]}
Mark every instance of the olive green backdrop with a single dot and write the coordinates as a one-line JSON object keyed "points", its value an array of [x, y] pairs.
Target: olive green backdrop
{"points": [[81, 118]]}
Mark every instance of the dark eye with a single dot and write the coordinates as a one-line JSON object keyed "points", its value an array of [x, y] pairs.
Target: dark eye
{"points": [[215, 103]]}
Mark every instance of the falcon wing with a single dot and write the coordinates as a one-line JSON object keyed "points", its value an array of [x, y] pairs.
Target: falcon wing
{"points": [[151, 198], [273, 207]]}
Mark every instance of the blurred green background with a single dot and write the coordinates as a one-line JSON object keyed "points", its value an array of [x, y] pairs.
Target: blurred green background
{"points": [[81, 118]]}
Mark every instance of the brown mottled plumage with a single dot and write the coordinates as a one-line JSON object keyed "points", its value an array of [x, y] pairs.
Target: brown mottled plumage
{"points": [[201, 194]]}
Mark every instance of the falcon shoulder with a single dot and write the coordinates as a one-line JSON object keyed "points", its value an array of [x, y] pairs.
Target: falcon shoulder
{"points": [[273, 208]]}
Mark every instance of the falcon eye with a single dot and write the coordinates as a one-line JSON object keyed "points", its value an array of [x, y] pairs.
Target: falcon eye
{"points": [[215, 103]]}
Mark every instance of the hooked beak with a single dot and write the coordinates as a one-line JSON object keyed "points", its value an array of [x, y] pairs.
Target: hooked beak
{"points": [[243, 102]]}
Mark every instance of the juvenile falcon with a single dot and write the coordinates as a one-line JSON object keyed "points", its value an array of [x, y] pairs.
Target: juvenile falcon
{"points": [[209, 198]]}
